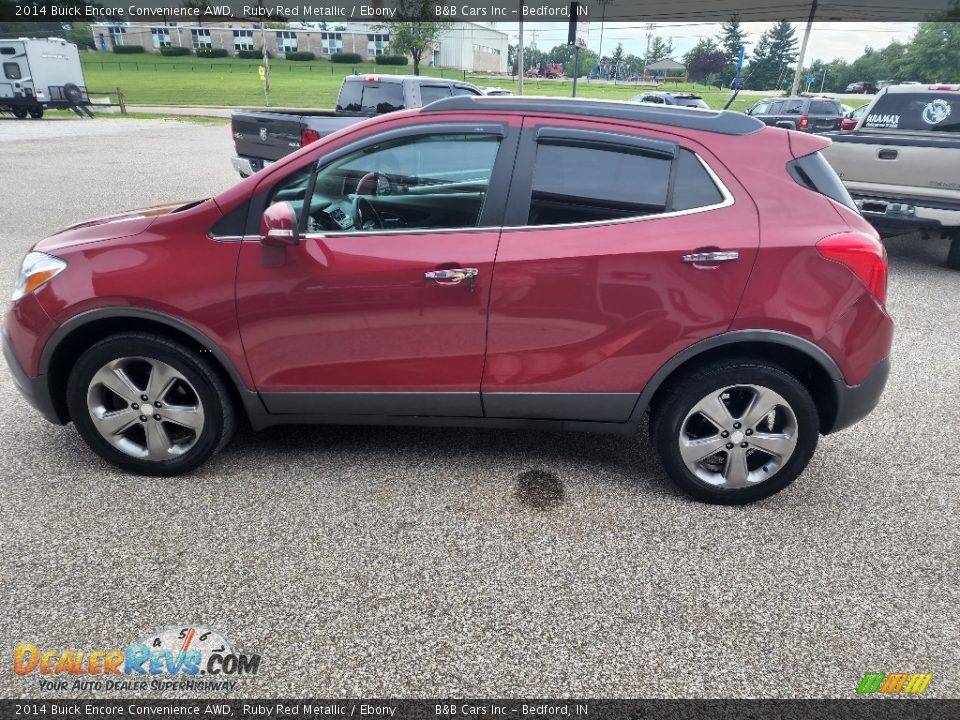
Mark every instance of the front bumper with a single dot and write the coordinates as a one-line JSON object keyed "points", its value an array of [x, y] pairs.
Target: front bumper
{"points": [[35, 390], [855, 402]]}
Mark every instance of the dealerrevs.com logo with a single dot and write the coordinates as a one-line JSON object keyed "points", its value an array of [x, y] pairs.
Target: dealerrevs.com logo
{"points": [[894, 683], [175, 658]]}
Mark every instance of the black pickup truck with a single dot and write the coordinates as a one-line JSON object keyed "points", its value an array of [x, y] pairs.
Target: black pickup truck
{"points": [[261, 137]]}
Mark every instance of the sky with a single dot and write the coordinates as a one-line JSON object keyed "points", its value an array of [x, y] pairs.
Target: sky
{"points": [[828, 40]]}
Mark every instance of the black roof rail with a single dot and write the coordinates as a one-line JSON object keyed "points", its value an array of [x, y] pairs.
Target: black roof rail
{"points": [[718, 121]]}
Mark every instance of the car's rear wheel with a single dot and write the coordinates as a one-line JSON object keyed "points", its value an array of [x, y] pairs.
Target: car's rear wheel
{"points": [[149, 405], [735, 432]]}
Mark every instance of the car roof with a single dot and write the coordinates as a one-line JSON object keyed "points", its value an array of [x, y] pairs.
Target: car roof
{"points": [[927, 87], [718, 121]]}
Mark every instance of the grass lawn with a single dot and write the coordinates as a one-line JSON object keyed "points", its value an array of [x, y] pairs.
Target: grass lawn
{"points": [[150, 79]]}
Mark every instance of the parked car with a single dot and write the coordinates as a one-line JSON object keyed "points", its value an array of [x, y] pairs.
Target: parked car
{"points": [[496, 91], [799, 113], [263, 137], [852, 117], [667, 98], [867, 88], [41, 74], [489, 262], [901, 162]]}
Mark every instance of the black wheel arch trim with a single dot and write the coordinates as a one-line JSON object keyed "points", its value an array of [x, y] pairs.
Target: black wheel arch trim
{"points": [[734, 337], [250, 398]]}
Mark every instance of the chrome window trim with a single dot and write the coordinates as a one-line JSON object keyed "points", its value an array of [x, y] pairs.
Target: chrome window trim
{"points": [[728, 201]]}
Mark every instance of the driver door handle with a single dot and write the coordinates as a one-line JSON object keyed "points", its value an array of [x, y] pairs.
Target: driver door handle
{"points": [[453, 276], [711, 257]]}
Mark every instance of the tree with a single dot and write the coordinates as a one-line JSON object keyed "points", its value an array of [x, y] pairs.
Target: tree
{"points": [[80, 35], [933, 54], [618, 55], [563, 54], [659, 50], [731, 38], [773, 54], [200, 6], [705, 61], [414, 35]]}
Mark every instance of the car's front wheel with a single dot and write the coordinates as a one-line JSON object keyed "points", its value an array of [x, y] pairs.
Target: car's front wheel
{"points": [[149, 405], [735, 432]]}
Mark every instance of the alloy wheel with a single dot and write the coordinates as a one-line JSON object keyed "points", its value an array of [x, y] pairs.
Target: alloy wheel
{"points": [[145, 408], [738, 436]]}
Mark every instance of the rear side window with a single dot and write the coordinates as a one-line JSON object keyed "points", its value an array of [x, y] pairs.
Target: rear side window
{"points": [[932, 112], [792, 107], [574, 184], [382, 98], [350, 95], [432, 93], [693, 187], [12, 71], [814, 173]]}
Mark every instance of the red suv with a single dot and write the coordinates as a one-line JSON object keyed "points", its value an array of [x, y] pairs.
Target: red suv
{"points": [[497, 262]]}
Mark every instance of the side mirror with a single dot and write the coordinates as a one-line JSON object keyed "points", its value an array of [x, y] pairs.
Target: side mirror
{"points": [[278, 225]]}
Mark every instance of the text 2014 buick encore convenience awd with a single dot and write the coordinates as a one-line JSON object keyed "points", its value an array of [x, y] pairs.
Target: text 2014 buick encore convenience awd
{"points": [[498, 262]]}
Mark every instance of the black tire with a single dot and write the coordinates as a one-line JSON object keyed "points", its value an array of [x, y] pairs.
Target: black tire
{"points": [[953, 254], [684, 393], [36, 113], [19, 113], [219, 421], [72, 93]]}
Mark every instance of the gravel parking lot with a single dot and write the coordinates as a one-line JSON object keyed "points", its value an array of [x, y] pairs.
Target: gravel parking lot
{"points": [[445, 562]]}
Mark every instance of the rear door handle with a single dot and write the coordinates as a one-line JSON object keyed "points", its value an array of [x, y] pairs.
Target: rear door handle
{"points": [[711, 257], [453, 276]]}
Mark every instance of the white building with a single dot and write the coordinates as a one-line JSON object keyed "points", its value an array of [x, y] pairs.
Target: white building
{"points": [[472, 46]]}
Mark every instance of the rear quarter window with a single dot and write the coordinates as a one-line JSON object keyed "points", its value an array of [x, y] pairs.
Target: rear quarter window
{"points": [[928, 112]]}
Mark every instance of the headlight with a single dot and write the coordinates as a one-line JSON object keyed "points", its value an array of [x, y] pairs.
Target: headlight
{"points": [[36, 269]]}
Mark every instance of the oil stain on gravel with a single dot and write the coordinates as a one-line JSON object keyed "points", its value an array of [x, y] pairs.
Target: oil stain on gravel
{"points": [[540, 489]]}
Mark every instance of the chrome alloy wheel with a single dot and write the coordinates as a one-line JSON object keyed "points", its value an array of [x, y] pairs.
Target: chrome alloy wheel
{"points": [[145, 408], [738, 436]]}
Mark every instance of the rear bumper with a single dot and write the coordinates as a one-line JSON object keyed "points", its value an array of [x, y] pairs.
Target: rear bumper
{"points": [[905, 214], [855, 402], [247, 166], [36, 390]]}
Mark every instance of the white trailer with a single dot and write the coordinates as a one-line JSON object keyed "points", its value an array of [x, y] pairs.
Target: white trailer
{"points": [[41, 73]]}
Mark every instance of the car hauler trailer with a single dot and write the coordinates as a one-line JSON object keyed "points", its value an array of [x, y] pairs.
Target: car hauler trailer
{"points": [[40, 74]]}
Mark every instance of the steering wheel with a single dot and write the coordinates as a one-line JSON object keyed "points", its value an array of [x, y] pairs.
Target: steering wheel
{"points": [[365, 215], [375, 183]]}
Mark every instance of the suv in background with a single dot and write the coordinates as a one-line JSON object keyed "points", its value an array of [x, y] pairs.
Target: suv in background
{"points": [[862, 86], [666, 98], [806, 114], [490, 262]]}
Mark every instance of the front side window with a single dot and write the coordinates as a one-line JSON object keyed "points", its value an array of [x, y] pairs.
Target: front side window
{"points": [[11, 71], [591, 183], [432, 93], [427, 182], [760, 109]]}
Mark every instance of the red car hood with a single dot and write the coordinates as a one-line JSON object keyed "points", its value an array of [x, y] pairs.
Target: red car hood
{"points": [[110, 227]]}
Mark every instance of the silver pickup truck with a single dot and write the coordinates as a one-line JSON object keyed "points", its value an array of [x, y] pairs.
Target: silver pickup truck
{"points": [[902, 162]]}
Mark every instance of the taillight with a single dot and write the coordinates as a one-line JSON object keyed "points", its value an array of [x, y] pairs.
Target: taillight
{"points": [[804, 122], [308, 136], [864, 255]]}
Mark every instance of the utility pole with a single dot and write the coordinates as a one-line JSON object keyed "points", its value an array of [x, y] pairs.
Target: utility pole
{"points": [[520, 53], [803, 48], [824, 81], [646, 57]]}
